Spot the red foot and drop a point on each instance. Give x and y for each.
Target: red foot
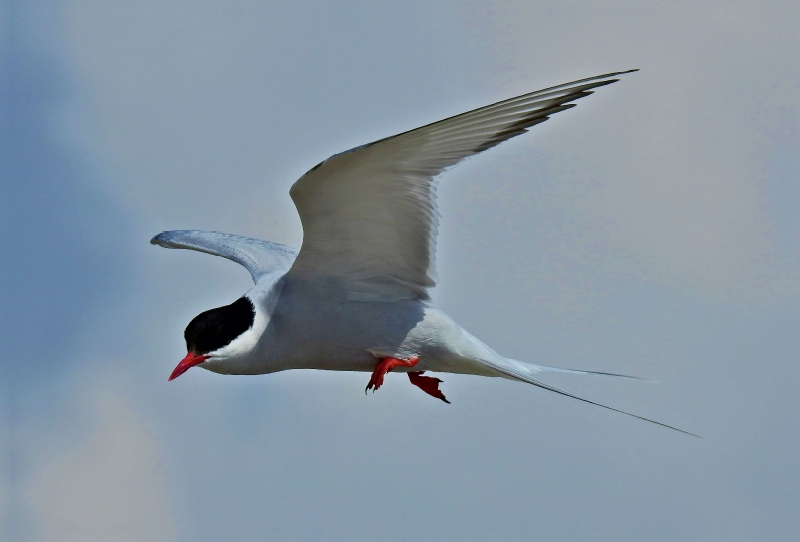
(383, 367)
(428, 384)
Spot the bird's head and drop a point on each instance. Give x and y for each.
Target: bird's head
(220, 336)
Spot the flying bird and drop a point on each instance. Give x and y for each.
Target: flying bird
(355, 296)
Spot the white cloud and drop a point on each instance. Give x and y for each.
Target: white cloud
(111, 487)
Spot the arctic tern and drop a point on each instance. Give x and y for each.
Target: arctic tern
(355, 296)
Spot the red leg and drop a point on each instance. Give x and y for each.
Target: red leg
(384, 366)
(428, 384)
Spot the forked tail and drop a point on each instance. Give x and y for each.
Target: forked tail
(524, 371)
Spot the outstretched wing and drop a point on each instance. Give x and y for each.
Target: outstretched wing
(369, 214)
(261, 258)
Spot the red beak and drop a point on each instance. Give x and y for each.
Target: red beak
(187, 363)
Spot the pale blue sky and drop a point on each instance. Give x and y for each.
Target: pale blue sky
(652, 230)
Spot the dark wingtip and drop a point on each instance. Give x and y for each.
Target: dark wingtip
(160, 239)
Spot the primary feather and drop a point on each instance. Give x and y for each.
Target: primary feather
(369, 214)
(261, 258)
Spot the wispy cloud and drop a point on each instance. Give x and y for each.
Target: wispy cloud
(111, 486)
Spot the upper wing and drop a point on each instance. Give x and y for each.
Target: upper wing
(261, 258)
(369, 214)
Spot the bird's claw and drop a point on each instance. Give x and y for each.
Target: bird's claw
(384, 366)
(428, 384)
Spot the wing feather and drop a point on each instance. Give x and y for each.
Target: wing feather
(369, 214)
(261, 258)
